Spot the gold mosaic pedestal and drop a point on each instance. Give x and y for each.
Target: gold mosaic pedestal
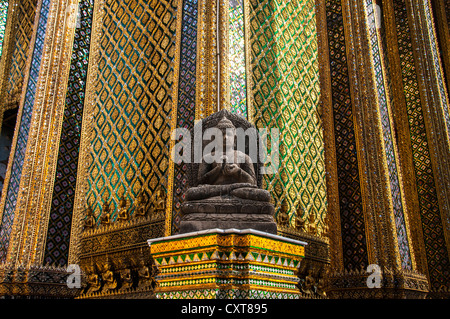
(225, 264)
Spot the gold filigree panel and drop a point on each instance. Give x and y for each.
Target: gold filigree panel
(286, 94)
(131, 133)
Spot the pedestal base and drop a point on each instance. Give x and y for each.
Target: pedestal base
(230, 220)
(222, 264)
(227, 212)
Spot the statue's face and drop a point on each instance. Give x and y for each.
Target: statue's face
(228, 138)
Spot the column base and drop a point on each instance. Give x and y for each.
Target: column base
(393, 284)
(227, 264)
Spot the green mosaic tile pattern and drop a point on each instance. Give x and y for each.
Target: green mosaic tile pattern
(286, 95)
(130, 145)
(238, 76)
(3, 16)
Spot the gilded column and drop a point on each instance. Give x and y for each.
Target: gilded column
(63, 226)
(421, 113)
(440, 9)
(17, 48)
(32, 168)
(13, 177)
(367, 206)
(16, 52)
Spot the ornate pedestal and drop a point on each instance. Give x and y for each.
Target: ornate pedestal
(222, 264)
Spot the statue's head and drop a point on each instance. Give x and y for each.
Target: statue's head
(224, 124)
(228, 131)
(107, 265)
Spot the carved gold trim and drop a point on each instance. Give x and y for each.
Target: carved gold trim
(401, 122)
(326, 106)
(390, 217)
(40, 160)
(211, 62)
(6, 57)
(437, 70)
(434, 125)
(21, 106)
(206, 73)
(7, 46)
(86, 134)
(61, 60)
(432, 37)
(248, 61)
(203, 22)
(351, 32)
(442, 24)
(404, 140)
(173, 122)
(16, 223)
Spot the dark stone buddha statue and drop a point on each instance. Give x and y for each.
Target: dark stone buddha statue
(227, 194)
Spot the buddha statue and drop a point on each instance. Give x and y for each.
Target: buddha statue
(235, 167)
(122, 212)
(105, 217)
(226, 193)
(93, 280)
(312, 228)
(234, 174)
(126, 278)
(308, 284)
(299, 222)
(283, 216)
(145, 274)
(89, 222)
(140, 205)
(109, 280)
(160, 202)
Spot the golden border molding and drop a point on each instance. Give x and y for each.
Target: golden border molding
(21, 106)
(400, 121)
(326, 106)
(173, 122)
(86, 133)
(62, 60)
(30, 223)
(389, 217)
(6, 57)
